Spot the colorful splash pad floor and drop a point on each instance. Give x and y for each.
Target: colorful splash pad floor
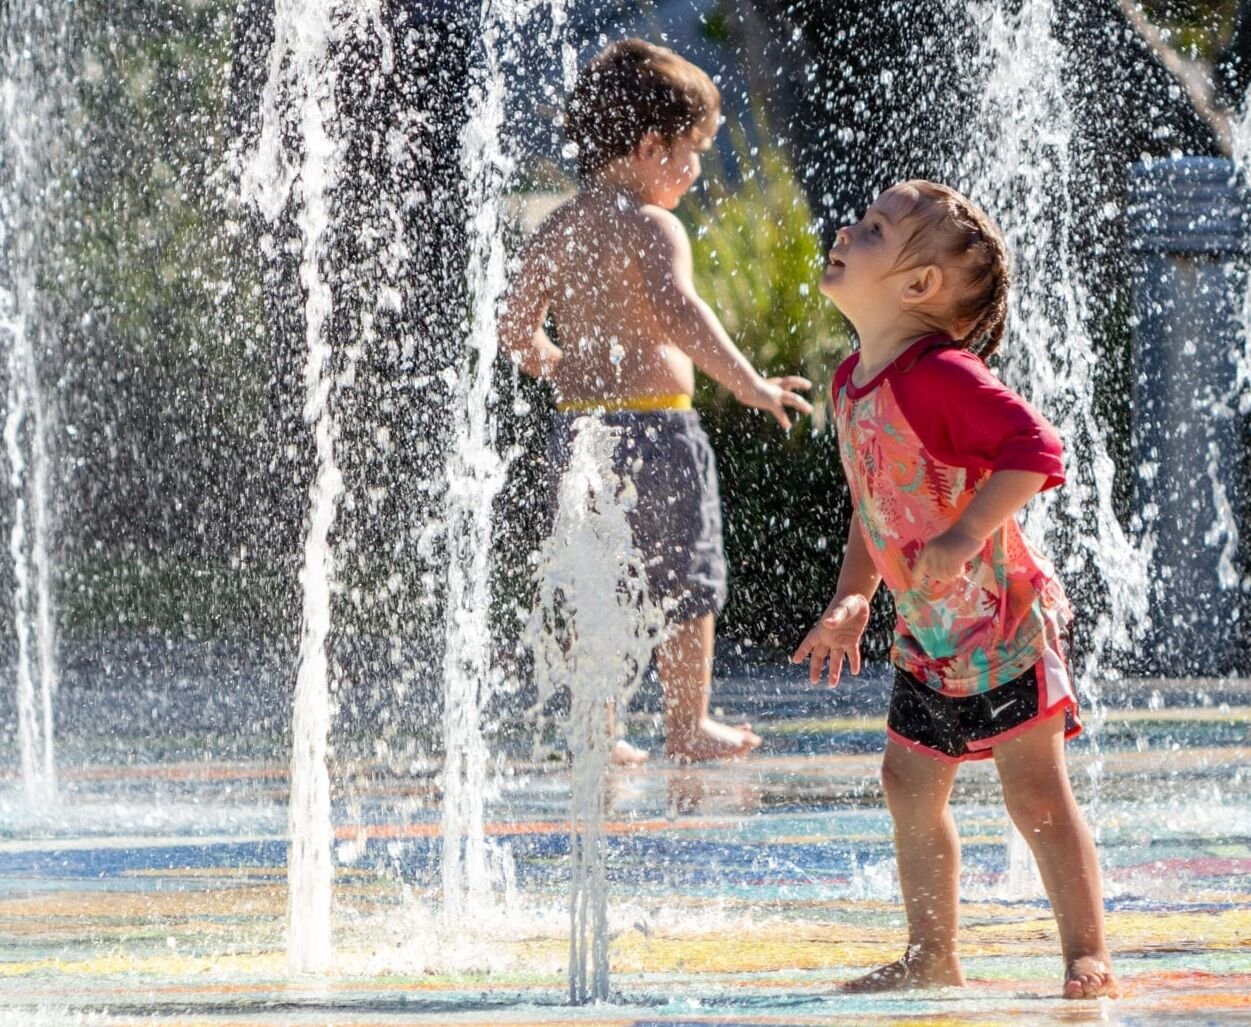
(154, 891)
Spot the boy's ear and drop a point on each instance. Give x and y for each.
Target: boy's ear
(651, 146)
(923, 285)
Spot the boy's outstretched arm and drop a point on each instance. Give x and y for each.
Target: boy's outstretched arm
(665, 258)
(525, 304)
(837, 634)
(1000, 497)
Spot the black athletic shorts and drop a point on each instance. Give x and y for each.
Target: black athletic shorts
(956, 729)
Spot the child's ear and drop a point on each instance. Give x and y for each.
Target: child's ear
(651, 146)
(923, 285)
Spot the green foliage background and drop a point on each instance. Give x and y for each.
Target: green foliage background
(161, 385)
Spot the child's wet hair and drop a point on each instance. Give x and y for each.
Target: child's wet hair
(629, 89)
(949, 229)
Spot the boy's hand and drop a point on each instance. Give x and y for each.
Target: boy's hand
(776, 395)
(835, 636)
(945, 556)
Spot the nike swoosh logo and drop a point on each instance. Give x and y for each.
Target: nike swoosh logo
(995, 711)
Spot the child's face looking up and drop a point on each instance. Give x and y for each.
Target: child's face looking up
(864, 272)
(666, 169)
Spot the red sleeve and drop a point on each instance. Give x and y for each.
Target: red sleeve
(966, 417)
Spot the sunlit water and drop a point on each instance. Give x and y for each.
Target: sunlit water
(475, 474)
(592, 631)
(302, 83)
(34, 95)
(477, 880)
(1022, 169)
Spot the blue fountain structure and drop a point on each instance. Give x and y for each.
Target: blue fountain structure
(1190, 235)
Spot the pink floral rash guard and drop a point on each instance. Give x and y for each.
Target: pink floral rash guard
(916, 443)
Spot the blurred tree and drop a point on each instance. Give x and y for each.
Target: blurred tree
(161, 379)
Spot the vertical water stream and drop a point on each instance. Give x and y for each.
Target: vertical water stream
(36, 106)
(300, 94)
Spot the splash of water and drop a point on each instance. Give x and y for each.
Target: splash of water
(35, 96)
(475, 474)
(300, 90)
(592, 632)
(1239, 396)
(1023, 172)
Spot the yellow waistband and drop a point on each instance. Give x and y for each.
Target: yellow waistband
(641, 405)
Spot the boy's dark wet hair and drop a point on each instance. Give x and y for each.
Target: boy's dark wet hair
(629, 89)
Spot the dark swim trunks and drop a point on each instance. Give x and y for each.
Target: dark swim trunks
(676, 522)
(959, 728)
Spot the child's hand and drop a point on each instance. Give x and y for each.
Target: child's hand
(835, 636)
(945, 556)
(777, 394)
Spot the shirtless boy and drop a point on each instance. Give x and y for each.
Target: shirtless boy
(612, 268)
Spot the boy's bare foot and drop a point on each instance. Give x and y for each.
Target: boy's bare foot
(1090, 977)
(711, 740)
(626, 755)
(918, 968)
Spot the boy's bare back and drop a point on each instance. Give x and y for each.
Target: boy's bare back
(608, 266)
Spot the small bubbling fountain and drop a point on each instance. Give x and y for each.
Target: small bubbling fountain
(592, 631)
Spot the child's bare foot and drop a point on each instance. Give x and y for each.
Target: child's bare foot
(711, 740)
(1090, 977)
(626, 755)
(918, 968)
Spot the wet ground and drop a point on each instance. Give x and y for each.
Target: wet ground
(154, 891)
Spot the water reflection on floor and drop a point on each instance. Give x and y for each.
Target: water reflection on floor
(742, 893)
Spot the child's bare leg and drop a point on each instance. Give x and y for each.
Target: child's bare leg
(1040, 801)
(623, 753)
(927, 851)
(684, 661)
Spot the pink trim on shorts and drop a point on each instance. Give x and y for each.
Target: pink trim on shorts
(925, 750)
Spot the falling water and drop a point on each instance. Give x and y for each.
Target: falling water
(475, 470)
(475, 473)
(1024, 174)
(592, 632)
(35, 98)
(1022, 171)
(1240, 393)
(302, 81)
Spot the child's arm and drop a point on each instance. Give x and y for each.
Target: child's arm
(665, 258)
(978, 423)
(521, 333)
(1000, 497)
(837, 634)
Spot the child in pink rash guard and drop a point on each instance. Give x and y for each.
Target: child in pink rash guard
(940, 456)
